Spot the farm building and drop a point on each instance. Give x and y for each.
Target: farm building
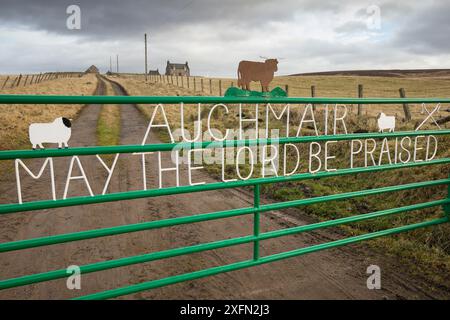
(154, 72)
(177, 69)
(92, 69)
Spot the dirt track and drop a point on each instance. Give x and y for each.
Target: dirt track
(333, 274)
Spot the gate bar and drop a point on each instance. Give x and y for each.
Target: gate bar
(62, 99)
(83, 151)
(251, 263)
(74, 201)
(104, 265)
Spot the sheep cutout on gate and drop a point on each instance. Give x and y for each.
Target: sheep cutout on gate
(58, 131)
(386, 122)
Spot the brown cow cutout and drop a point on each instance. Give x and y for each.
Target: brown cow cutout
(249, 71)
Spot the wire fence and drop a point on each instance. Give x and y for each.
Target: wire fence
(30, 79)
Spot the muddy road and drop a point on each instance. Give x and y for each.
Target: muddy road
(333, 274)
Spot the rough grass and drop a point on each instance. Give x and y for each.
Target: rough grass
(425, 252)
(336, 86)
(108, 125)
(15, 118)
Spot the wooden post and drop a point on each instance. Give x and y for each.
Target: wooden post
(220, 88)
(201, 83)
(20, 78)
(286, 87)
(232, 84)
(177, 81)
(25, 82)
(195, 86)
(405, 105)
(4, 83)
(187, 79)
(182, 84)
(360, 95)
(210, 86)
(313, 95)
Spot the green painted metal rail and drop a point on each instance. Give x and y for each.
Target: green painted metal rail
(55, 99)
(256, 210)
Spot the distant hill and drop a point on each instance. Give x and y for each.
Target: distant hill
(383, 73)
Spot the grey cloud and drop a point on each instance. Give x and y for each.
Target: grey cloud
(351, 27)
(426, 31)
(214, 35)
(117, 19)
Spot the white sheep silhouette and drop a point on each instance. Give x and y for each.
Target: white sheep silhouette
(386, 122)
(58, 131)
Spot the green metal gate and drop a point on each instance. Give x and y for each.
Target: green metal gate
(256, 183)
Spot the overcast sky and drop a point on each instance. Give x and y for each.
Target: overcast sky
(214, 35)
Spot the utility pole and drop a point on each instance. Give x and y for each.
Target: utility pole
(145, 38)
(117, 62)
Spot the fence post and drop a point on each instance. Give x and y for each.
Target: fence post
(256, 220)
(25, 82)
(195, 86)
(313, 95)
(20, 79)
(286, 87)
(405, 105)
(210, 86)
(187, 80)
(360, 95)
(201, 83)
(4, 83)
(182, 84)
(220, 87)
